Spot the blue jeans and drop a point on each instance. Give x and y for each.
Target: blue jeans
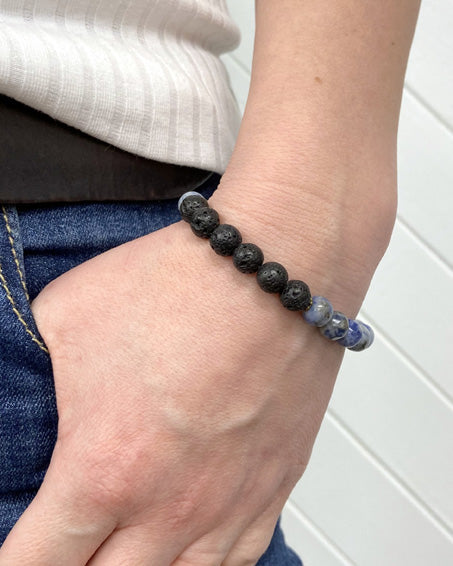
(37, 244)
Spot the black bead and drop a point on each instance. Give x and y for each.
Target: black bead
(225, 239)
(248, 258)
(296, 296)
(272, 277)
(190, 204)
(204, 221)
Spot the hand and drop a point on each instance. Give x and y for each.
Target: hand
(188, 400)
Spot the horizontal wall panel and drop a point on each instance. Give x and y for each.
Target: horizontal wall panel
(430, 69)
(410, 298)
(402, 420)
(308, 542)
(425, 175)
(363, 511)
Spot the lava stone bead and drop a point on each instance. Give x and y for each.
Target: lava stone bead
(320, 312)
(189, 203)
(204, 221)
(296, 296)
(247, 258)
(272, 277)
(353, 335)
(336, 328)
(366, 340)
(225, 239)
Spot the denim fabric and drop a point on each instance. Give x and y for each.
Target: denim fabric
(37, 244)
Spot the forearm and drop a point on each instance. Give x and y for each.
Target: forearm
(315, 159)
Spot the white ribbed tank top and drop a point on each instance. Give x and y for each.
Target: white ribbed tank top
(142, 75)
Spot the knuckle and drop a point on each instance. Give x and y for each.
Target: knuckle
(181, 512)
(108, 479)
(189, 507)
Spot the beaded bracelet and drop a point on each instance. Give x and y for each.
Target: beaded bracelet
(272, 277)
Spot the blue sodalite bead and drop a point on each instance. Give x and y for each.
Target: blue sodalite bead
(320, 312)
(336, 328)
(353, 335)
(366, 340)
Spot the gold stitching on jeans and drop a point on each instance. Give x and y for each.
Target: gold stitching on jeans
(10, 297)
(13, 250)
(18, 314)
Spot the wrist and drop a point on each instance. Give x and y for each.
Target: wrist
(329, 233)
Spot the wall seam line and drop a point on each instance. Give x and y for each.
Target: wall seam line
(434, 387)
(303, 518)
(443, 262)
(391, 475)
(430, 109)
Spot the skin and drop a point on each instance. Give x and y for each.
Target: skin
(189, 404)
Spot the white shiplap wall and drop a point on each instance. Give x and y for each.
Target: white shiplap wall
(379, 487)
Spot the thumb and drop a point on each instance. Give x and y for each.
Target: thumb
(45, 309)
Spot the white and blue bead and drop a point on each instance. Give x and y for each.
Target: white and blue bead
(336, 328)
(320, 312)
(366, 339)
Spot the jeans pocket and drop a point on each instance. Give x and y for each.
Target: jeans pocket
(28, 414)
(16, 316)
(59, 237)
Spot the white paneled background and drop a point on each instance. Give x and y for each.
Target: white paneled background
(379, 487)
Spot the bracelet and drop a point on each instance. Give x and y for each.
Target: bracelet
(272, 277)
